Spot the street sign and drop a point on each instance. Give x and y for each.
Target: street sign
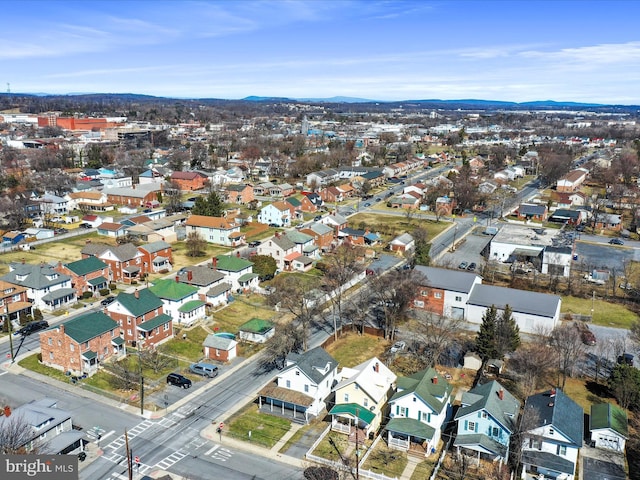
(221, 425)
(8, 355)
(136, 459)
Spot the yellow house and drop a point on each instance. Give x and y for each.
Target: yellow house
(361, 396)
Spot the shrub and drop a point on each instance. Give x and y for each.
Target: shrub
(27, 318)
(86, 295)
(37, 314)
(104, 292)
(112, 286)
(134, 282)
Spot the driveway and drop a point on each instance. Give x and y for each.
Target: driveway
(599, 464)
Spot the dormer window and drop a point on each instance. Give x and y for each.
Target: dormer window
(8, 290)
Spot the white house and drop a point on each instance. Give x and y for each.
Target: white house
(216, 230)
(551, 446)
(256, 330)
(180, 301)
(237, 271)
(47, 288)
(303, 384)
(418, 411)
(276, 213)
(609, 427)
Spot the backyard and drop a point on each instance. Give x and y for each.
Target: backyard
(605, 313)
(393, 225)
(352, 349)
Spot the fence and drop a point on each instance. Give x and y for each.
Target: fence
(73, 233)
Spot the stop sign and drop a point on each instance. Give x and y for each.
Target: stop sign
(136, 459)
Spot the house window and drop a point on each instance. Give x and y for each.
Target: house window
(128, 321)
(437, 294)
(297, 372)
(50, 355)
(535, 444)
(418, 303)
(561, 450)
(366, 402)
(458, 299)
(166, 327)
(217, 352)
(551, 431)
(50, 341)
(346, 397)
(484, 414)
(288, 383)
(404, 411)
(72, 347)
(306, 388)
(426, 417)
(424, 293)
(495, 432)
(471, 426)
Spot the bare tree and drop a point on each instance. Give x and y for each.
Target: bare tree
(155, 360)
(15, 436)
(196, 245)
(529, 420)
(121, 376)
(569, 349)
(437, 332)
(532, 362)
(280, 345)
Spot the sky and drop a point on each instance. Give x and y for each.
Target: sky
(510, 50)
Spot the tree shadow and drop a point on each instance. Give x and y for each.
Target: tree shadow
(597, 392)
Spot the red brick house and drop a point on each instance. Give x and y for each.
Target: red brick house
(331, 195)
(81, 344)
(157, 256)
(240, 194)
(323, 235)
(189, 180)
(134, 196)
(14, 301)
(220, 348)
(126, 262)
(87, 275)
(141, 318)
(306, 205)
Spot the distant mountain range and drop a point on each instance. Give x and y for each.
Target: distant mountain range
(427, 103)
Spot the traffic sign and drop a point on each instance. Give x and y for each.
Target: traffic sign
(136, 459)
(221, 425)
(8, 355)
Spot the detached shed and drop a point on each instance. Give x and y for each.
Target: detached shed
(221, 348)
(609, 427)
(472, 361)
(256, 330)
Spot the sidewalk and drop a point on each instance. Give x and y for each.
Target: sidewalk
(412, 463)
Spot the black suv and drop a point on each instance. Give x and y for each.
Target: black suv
(178, 380)
(32, 327)
(108, 300)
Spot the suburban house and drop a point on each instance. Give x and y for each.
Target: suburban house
(281, 248)
(322, 235)
(532, 212)
(161, 229)
(487, 418)
(157, 256)
(203, 277)
(89, 201)
(551, 446)
(52, 205)
(256, 330)
(357, 237)
(310, 202)
(237, 271)
(532, 311)
(607, 221)
(572, 181)
(276, 213)
(87, 275)
(335, 221)
(419, 410)
(240, 194)
(14, 302)
(141, 318)
(302, 386)
(47, 288)
(609, 427)
(361, 396)
(187, 181)
(220, 347)
(406, 200)
(444, 206)
(331, 195)
(81, 344)
(50, 431)
(126, 262)
(180, 300)
(402, 243)
(304, 243)
(216, 230)
(445, 292)
(112, 229)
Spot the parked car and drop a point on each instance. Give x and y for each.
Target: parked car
(471, 267)
(204, 369)
(616, 241)
(396, 347)
(626, 358)
(107, 301)
(463, 266)
(255, 243)
(85, 225)
(367, 204)
(317, 218)
(60, 231)
(32, 327)
(179, 380)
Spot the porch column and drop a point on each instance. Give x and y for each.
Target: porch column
(294, 410)
(272, 404)
(259, 402)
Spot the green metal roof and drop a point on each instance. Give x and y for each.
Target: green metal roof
(422, 385)
(232, 264)
(97, 281)
(354, 410)
(411, 426)
(146, 302)
(191, 305)
(247, 277)
(90, 355)
(117, 341)
(256, 325)
(84, 328)
(154, 322)
(172, 290)
(606, 415)
(86, 265)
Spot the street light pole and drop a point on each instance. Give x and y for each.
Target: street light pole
(9, 326)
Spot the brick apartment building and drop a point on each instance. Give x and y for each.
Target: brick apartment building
(87, 275)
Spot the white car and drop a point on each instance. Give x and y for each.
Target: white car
(396, 347)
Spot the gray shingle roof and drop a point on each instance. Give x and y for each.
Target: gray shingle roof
(559, 410)
(36, 277)
(521, 301)
(312, 362)
(452, 280)
(221, 343)
(154, 247)
(201, 276)
(486, 397)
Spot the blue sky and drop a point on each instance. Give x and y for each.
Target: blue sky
(384, 50)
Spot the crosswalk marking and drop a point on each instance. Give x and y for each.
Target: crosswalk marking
(212, 449)
(171, 460)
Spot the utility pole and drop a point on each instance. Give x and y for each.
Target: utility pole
(9, 326)
(126, 444)
(357, 448)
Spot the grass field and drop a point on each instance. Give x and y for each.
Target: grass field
(604, 313)
(265, 429)
(353, 349)
(189, 349)
(243, 309)
(326, 450)
(392, 225)
(389, 461)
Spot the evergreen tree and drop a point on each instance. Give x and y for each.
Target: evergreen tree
(211, 206)
(486, 339)
(507, 333)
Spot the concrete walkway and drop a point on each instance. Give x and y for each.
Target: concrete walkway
(412, 463)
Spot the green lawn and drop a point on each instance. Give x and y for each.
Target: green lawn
(604, 313)
(31, 363)
(265, 430)
(385, 460)
(353, 349)
(243, 309)
(326, 450)
(316, 427)
(423, 470)
(392, 225)
(189, 349)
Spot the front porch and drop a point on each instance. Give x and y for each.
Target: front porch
(161, 263)
(285, 403)
(131, 273)
(348, 417)
(411, 436)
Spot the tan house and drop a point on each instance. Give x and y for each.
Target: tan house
(218, 230)
(572, 181)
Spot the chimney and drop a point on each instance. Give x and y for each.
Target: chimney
(177, 278)
(7, 411)
(435, 379)
(215, 263)
(376, 367)
(189, 275)
(238, 254)
(136, 294)
(501, 394)
(553, 393)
